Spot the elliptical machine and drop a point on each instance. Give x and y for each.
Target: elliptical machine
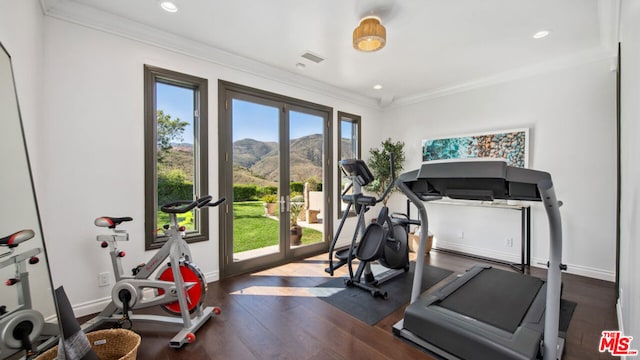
(386, 240)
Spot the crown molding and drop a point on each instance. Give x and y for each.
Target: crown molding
(73, 12)
(89, 17)
(47, 5)
(596, 54)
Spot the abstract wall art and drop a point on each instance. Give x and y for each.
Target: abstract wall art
(510, 145)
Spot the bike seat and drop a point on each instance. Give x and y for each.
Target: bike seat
(111, 222)
(16, 238)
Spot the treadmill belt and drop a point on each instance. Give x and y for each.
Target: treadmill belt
(496, 297)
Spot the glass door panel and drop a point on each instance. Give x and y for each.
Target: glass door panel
(306, 172)
(275, 152)
(256, 179)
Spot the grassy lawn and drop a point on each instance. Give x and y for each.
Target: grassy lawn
(185, 219)
(252, 230)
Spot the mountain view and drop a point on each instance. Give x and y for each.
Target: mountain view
(256, 162)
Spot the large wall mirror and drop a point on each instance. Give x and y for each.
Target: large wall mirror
(27, 309)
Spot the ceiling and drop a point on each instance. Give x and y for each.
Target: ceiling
(433, 46)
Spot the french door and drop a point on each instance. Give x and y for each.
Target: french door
(275, 158)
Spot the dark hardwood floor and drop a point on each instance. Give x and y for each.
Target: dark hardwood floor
(272, 315)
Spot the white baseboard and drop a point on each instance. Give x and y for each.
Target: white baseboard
(619, 315)
(620, 325)
(212, 276)
(594, 273)
(585, 271)
(477, 251)
(90, 307)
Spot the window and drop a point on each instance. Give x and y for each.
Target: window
(349, 133)
(175, 113)
(348, 148)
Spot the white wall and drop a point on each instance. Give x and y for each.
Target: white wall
(94, 147)
(21, 33)
(630, 187)
(571, 114)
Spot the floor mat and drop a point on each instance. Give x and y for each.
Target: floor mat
(566, 313)
(361, 305)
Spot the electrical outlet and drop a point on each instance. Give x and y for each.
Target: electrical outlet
(508, 242)
(103, 279)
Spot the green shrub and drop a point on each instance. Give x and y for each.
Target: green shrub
(270, 198)
(267, 190)
(173, 186)
(296, 186)
(243, 192)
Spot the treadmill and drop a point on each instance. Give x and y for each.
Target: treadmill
(486, 313)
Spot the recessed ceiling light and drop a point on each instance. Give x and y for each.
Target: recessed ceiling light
(168, 6)
(540, 34)
(377, 87)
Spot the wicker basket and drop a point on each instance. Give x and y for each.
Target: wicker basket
(414, 240)
(109, 344)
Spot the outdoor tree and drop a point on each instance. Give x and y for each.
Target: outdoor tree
(172, 183)
(169, 130)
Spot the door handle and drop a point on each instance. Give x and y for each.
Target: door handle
(285, 204)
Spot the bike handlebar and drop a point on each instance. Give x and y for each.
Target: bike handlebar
(182, 206)
(204, 200)
(179, 207)
(218, 202)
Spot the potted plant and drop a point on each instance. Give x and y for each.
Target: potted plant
(380, 165)
(296, 229)
(270, 204)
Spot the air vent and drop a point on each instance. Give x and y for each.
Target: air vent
(313, 57)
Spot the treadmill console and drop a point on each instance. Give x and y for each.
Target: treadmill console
(476, 180)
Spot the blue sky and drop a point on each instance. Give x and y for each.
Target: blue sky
(260, 122)
(251, 120)
(177, 102)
